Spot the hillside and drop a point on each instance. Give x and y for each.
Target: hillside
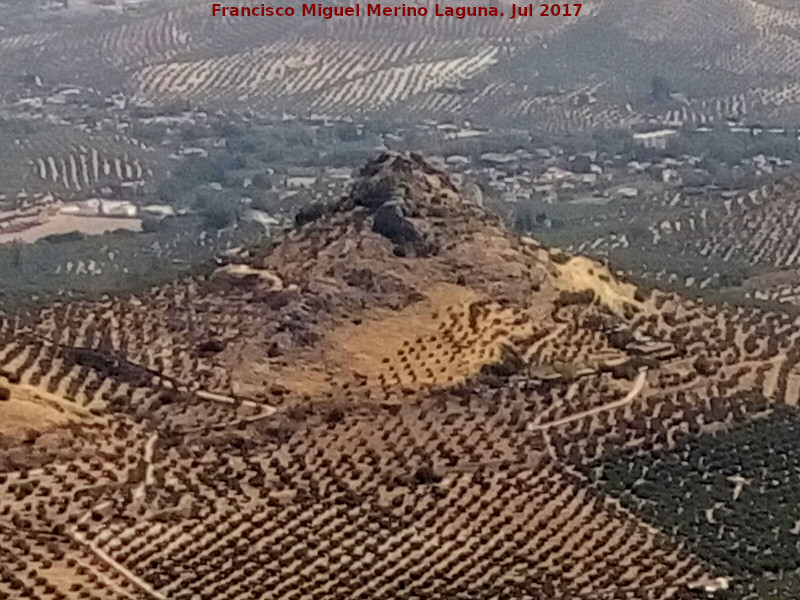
(742, 242)
(399, 398)
(724, 59)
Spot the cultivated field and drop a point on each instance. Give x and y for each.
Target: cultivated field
(397, 399)
(726, 59)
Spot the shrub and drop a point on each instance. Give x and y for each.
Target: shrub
(150, 224)
(262, 181)
(219, 214)
(566, 298)
(704, 366)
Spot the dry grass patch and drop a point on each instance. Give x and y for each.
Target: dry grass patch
(29, 409)
(579, 274)
(441, 340)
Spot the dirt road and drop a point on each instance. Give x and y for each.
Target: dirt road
(638, 385)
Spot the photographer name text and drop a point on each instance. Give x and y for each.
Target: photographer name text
(456, 11)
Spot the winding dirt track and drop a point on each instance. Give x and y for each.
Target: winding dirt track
(638, 385)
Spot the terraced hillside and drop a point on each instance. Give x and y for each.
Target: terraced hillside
(742, 240)
(724, 59)
(69, 163)
(397, 399)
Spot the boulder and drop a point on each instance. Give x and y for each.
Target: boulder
(247, 276)
(390, 221)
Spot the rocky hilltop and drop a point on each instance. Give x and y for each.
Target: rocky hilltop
(398, 398)
(404, 258)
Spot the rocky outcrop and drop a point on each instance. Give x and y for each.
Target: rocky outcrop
(399, 194)
(409, 239)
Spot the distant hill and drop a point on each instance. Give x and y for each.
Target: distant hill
(722, 59)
